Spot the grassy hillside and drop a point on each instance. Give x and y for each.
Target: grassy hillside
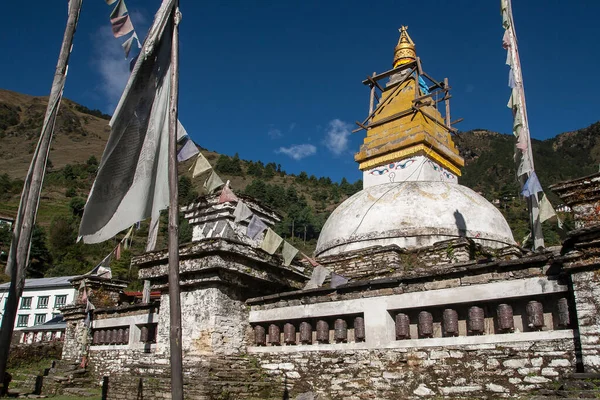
(304, 201)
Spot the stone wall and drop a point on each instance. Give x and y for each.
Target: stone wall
(214, 320)
(473, 371)
(586, 287)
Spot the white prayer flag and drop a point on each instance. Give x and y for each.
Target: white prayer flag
(546, 209)
(132, 180)
(201, 166)
(271, 242)
(241, 212)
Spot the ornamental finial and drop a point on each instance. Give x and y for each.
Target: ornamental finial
(405, 49)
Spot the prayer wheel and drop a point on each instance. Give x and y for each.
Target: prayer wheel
(322, 331)
(402, 327)
(505, 318)
(102, 337)
(563, 312)
(450, 322)
(96, 337)
(289, 334)
(359, 329)
(120, 339)
(340, 330)
(144, 334)
(126, 335)
(425, 325)
(476, 321)
(260, 335)
(535, 315)
(274, 335)
(305, 333)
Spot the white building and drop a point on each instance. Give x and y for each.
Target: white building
(41, 300)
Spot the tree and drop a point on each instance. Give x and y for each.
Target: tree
(92, 161)
(39, 257)
(62, 236)
(76, 205)
(229, 165)
(302, 177)
(187, 193)
(68, 172)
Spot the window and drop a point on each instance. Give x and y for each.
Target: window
(23, 320)
(25, 303)
(60, 300)
(39, 319)
(43, 301)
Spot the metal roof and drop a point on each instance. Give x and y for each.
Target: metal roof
(35, 283)
(56, 323)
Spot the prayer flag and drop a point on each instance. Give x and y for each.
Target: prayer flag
(227, 195)
(271, 242)
(318, 277)
(188, 151)
(513, 100)
(504, 13)
(511, 79)
(338, 280)
(127, 44)
(255, 227)
(213, 182)
(152, 233)
(102, 269)
(288, 252)
(118, 252)
(201, 166)
(506, 40)
(525, 166)
(121, 26)
(132, 184)
(310, 260)
(546, 209)
(242, 212)
(110, 2)
(532, 185)
(119, 10)
(126, 240)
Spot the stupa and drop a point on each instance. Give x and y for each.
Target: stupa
(411, 196)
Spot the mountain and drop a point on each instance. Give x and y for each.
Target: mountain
(304, 201)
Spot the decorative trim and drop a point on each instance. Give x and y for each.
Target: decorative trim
(429, 152)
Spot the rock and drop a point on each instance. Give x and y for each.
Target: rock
(423, 391)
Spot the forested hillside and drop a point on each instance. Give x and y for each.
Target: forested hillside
(304, 201)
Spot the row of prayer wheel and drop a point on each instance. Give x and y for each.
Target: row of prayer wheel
(340, 332)
(111, 336)
(476, 320)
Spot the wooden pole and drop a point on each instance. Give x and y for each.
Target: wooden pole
(18, 256)
(532, 202)
(447, 102)
(174, 291)
(372, 99)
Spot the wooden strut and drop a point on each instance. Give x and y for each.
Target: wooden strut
(386, 101)
(18, 257)
(176, 352)
(447, 102)
(393, 71)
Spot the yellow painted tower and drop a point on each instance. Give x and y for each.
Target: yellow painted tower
(406, 122)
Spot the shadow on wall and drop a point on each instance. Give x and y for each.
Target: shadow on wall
(460, 224)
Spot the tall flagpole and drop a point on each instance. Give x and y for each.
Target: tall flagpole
(174, 291)
(532, 201)
(18, 257)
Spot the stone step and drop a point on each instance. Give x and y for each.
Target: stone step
(82, 392)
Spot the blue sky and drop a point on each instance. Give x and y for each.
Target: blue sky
(281, 80)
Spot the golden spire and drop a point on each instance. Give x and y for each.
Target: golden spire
(405, 49)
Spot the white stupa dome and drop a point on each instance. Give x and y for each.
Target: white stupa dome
(412, 214)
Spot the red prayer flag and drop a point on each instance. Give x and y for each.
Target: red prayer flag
(227, 195)
(121, 26)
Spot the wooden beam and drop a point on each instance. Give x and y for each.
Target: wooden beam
(456, 121)
(447, 103)
(435, 83)
(371, 99)
(390, 72)
(374, 82)
(175, 347)
(387, 100)
(22, 229)
(362, 126)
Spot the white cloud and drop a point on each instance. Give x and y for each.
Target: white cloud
(298, 151)
(274, 133)
(109, 61)
(336, 136)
